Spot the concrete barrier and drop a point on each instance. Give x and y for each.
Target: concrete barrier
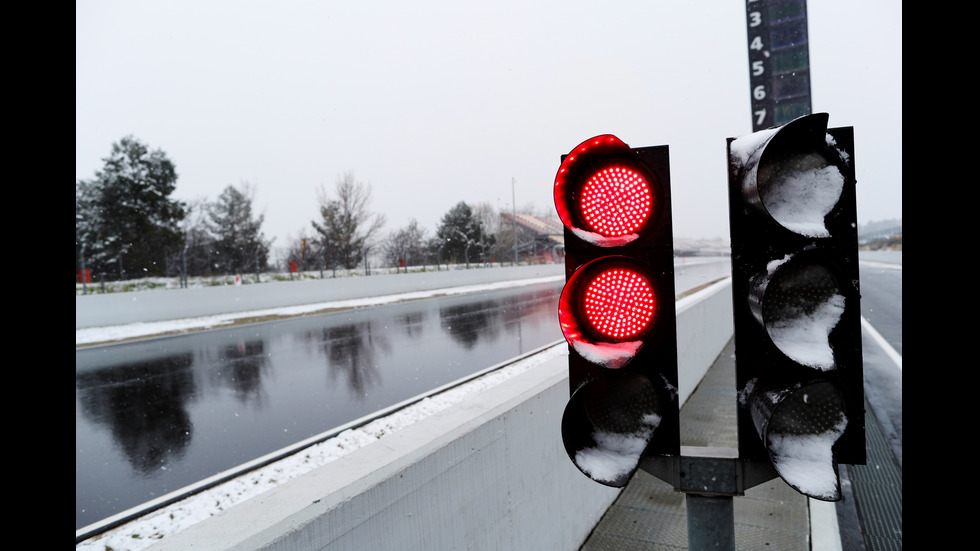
(490, 473)
(99, 310)
(890, 257)
(704, 327)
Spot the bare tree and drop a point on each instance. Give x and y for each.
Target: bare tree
(347, 228)
(407, 244)
(195, 256)
(489, 220)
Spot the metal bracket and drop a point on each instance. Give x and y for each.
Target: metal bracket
(709, 471)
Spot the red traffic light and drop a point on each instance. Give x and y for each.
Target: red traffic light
(616, 201)
(619, 303)
(606, 309)
(604, 194)
(617, 308)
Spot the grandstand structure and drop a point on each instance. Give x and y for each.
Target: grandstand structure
(539, 239)
(542, 239)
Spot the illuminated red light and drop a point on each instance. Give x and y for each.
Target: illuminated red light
(616, 201)
(619, 303)
(605, 193)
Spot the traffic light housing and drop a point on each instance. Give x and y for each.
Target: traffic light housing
(796, 298)
(616, 310)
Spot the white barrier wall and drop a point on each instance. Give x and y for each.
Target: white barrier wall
(490, 473)
(704, 326)
(97, 310)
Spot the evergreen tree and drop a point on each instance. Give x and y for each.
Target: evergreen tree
(124, 216)
(460, 234)
(86, 225)
(239, 245)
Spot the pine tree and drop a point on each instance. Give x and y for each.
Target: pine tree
(460, 234)
(124, 217)
(239, 245)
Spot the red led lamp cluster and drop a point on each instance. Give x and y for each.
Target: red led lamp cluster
(612, 199)
(619, 303)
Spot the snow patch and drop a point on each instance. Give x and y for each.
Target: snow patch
(806, 462)
(616, 455)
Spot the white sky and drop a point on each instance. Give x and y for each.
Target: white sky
(437, 102)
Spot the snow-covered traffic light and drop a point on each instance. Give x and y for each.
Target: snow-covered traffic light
(617, 308)
(796, 302)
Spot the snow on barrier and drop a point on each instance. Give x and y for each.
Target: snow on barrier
(96, 310)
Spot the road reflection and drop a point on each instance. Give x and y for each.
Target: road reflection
(144, 405)
(240, 368)
(157, 415)
(350, 354)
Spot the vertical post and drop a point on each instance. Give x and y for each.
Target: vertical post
(779, 61)
(84, 285)
(709, 477)
(513, 206)
(183, 264)
(710, 523)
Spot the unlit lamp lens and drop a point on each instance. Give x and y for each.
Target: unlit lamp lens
(802, 305)
(800, 190)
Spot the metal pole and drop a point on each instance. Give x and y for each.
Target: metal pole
(84, 285)
(513, 206)
(709, 477)
(710, 523)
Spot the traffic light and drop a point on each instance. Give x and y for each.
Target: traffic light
(617, 307)
(797, 303)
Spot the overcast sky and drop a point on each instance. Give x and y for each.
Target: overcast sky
(437, 102)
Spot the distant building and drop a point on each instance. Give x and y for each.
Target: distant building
(875, 234)
(701, 247)
(539, 239)
(542, 239)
